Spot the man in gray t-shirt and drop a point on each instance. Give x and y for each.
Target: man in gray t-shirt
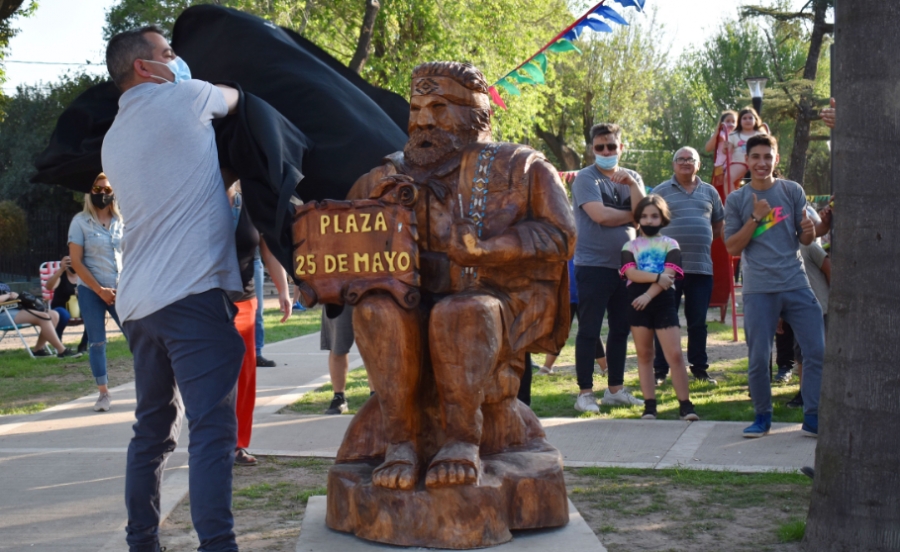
(765, 223)
(603, 195)
(697, 218)
(179, 265)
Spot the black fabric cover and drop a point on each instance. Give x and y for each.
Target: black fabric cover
(350, 131)
(72, 159)
(333, 107)
(267, 152)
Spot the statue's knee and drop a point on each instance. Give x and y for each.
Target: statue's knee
(474, 310)
(373, 309)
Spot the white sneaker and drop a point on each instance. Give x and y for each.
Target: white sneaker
(103, 403)
(622, 398)
(586, 403)
(601, 370)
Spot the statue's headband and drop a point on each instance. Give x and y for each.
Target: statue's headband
(449, 89)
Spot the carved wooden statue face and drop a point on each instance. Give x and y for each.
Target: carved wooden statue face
(443, 117)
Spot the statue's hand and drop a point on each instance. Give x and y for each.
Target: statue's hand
(465, 246)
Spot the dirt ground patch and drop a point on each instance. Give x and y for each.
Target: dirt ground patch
(629, 510)
(269, 504)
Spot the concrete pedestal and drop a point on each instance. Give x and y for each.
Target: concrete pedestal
(315, 536)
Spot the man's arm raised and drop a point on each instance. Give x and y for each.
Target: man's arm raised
(231, 97)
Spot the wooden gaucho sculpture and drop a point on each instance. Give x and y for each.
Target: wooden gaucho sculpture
(444, 455)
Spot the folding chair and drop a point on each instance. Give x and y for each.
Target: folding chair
(8, 324)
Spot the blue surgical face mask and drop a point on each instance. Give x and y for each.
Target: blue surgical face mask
(177, 66)
(606, 163)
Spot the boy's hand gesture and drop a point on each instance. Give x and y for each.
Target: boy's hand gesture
(760, 208)
(807, 226)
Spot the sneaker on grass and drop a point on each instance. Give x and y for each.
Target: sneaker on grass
(700, 374)
(586, 403)
(42, 352)
(796, 402)
(761, 426)
(68, 352)
(622, 398)
(784, 375)
(604, 372)
(649, 410)
(103, 403)
(338, 405)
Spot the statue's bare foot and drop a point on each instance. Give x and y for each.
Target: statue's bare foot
(400, 469)
(457, 463)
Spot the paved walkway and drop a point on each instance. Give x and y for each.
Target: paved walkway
(62, 470)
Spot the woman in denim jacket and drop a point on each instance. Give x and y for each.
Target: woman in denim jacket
(95, 247)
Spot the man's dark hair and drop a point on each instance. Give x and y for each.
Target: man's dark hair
(604, 129)
(762, 140)
(126, 47)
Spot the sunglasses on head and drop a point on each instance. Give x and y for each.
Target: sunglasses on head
(101, 190)
(609, 147)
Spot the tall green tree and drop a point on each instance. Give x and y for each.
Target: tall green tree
(856, 492)
(494, 35)
(31, 116)
(798, 82)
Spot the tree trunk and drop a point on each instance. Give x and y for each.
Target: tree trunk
(807, 112)
(587, 111)
(365, 36)
(568, 158)
(856, 493)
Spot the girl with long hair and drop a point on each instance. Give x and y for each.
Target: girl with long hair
(651, 263)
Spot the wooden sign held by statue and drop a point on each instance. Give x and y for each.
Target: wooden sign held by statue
(344, 249)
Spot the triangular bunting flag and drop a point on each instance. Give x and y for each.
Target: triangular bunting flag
(596, 25)
(534, 72)
(496, 97)
(509, 87)
(563, 45)
(611, 14)
(542, 60)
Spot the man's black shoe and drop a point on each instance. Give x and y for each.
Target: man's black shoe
(263, 362)
(796, 402)
(338, 405)
(702, 375)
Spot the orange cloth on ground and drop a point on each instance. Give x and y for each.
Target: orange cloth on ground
(245, 322)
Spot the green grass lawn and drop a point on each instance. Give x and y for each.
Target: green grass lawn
(30, 385)
(317, 401)
(554, 395)
(691, 509)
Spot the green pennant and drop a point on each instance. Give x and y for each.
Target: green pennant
(563, 45)
(520, 78)
(542, 59)
(509, 87)
(534, 72)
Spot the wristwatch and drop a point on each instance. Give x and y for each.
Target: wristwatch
(756, 220)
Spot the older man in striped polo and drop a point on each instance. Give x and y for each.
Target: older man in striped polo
(697, 218)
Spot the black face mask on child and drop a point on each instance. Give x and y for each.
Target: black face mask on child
(650, 231)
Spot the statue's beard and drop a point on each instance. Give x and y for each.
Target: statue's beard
(428, 147)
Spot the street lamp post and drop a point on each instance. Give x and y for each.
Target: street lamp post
(757, 85)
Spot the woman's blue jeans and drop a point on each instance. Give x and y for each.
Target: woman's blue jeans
(93, 312)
